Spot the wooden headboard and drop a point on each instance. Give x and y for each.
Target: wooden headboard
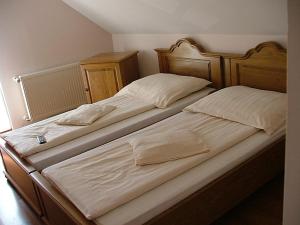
(263, 67)
(188, 58)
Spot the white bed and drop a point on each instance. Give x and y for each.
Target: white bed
(79, 145)
(156, 201)
(151, 203)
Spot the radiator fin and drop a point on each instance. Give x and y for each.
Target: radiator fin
(52, 91)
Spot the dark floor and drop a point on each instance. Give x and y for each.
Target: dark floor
(262, 208)
(13, 210)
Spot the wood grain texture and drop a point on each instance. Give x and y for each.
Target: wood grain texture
(15, 157)
(21, 181)
(105, 74)
(263, 67)
(111, 57)
(17, 171)
(129, 71)
(102, 81)
(13, 210)
(188, 58)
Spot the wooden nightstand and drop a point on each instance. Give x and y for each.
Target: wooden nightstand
(105, 74)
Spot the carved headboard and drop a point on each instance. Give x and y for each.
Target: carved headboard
(263, 67)
(188, 58)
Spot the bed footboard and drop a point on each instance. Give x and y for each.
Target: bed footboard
(17, 172)
(56, 208)
(203, 207)
(209, 203)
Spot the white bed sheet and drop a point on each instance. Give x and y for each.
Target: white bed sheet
(106, 177)
(154, 202)
(84, 143)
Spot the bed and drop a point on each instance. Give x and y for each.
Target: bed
(223, 186)
(180, 56)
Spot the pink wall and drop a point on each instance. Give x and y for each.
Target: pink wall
(291, 215)
(38, 34)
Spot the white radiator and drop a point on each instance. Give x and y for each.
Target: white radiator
(52, 91)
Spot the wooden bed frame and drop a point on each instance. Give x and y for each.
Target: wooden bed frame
(263, 64)
(17, 171)
(262, 67)
(183, 58)
(186, 57)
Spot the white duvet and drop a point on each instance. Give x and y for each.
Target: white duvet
(107, 177)
(23, 140)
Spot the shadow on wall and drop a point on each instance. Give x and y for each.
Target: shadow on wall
(4, 117)
(148, 63)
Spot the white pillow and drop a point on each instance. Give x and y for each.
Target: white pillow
(162, 89)
(85, 114)
(162, 147)
(257, 108)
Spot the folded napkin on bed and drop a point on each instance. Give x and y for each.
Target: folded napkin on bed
(163, 147)
(85, 114)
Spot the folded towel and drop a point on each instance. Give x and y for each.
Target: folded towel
(162, 147)
(85, 114)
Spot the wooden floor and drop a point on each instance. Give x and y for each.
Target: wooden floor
(262, 208)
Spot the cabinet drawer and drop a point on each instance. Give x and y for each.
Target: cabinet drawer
(105, 74)
(102, 83)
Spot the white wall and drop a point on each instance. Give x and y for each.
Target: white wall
(291, 210)
(39, 34)
(186, 16)
(145, 43)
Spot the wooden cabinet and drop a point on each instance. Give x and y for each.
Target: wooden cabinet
(105, 74)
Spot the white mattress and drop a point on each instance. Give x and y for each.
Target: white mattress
(154, 202)
(106, 177)
(72, 148)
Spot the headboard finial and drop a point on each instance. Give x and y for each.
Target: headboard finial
(262, 67)
(188, 41)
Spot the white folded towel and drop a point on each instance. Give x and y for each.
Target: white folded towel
(163, 147)
(85, 114)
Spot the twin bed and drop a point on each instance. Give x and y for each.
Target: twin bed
(188, 192)
(53, 155)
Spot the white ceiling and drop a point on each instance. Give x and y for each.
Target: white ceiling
(186, 16)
